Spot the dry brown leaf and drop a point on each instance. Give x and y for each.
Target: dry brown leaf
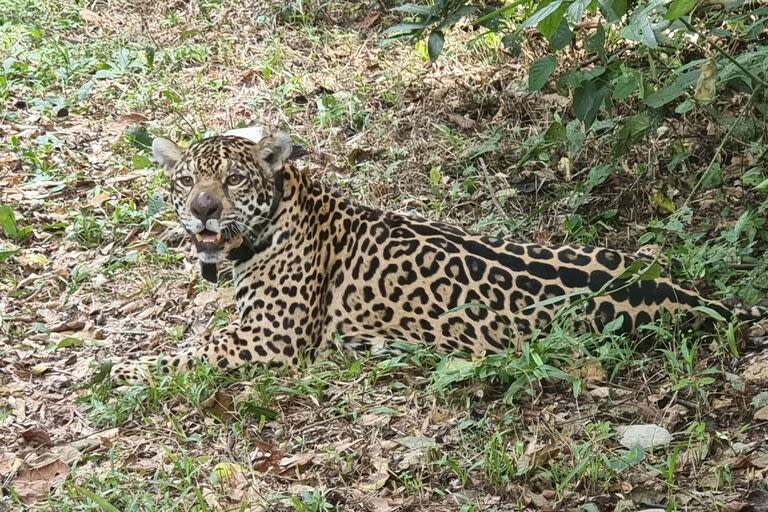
(461, 121)
(264, 457)
(116, 128)
(379, 504)
(300, 459)
(90, 17)
(757, 371)
(369, 20)
(9, 463)
(36, 436)
(735, 506)
(762, 414)
(34, 483)
(220, 404)
(379, 478)
(592, 372)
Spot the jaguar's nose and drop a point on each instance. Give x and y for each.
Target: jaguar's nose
(205, 206)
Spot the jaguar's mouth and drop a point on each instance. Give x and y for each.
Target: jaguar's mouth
(209, 245)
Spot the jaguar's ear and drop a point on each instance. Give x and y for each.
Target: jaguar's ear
(275, 150)
(166, 152)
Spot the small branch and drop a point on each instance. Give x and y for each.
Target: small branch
(725, 54)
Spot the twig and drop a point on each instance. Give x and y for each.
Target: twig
(725, 54)
(494, 199)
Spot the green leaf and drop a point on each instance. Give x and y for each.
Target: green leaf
(455, 16)
(706, 310)
(407, 28)
(713, 177)
(435, 44)
(679, 8)
(6, 253)
(102, 503)
(139, 137)
(156, 204)
(540, 72)
(625, 85)
(541, 14)
(141, 162)
(596, 42)
(674, 90)
(561, 36)
(555, 133)
(587, 99)
(613, 10)
(632, 131)
(424, 10)
(640, 29)
(8, 222)
(576, 10)
(549, 26)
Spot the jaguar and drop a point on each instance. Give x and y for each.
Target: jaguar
(311, 266)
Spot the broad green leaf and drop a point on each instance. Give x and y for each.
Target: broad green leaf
(404, 28)
(455, 16)
(424, 10)
(713, 176)
(640, 29)
(679, 8)
(561, 36)
(587, 99)
(662, 201)
(156, 204)
(625, 85)
(549, 25)
(141, 162)
(632, 131)
(674, 90)
(435, 44)
(596, 42)
(139, 137)
(555, 132)
(576, 10)
(598, 174)
(541, 14)
(8, 222)
(613, 10)
(540, 72)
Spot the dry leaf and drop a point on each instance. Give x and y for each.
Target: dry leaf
(90, 17)
(116, 128)
(34, 483)
(592, 372)
(36, 436)
(369, 20)
(757, 371)
(220, 404)
(461, 121)
(762, 414)
(379, 478)
(379, 504)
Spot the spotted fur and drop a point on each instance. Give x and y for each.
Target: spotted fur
(311, 264)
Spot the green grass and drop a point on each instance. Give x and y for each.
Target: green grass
(381, 125)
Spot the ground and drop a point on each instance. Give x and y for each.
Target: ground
(94, 268)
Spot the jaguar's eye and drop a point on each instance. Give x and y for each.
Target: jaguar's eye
(186, 181)
(235, 179)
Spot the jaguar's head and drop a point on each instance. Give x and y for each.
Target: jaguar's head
(224, 188)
